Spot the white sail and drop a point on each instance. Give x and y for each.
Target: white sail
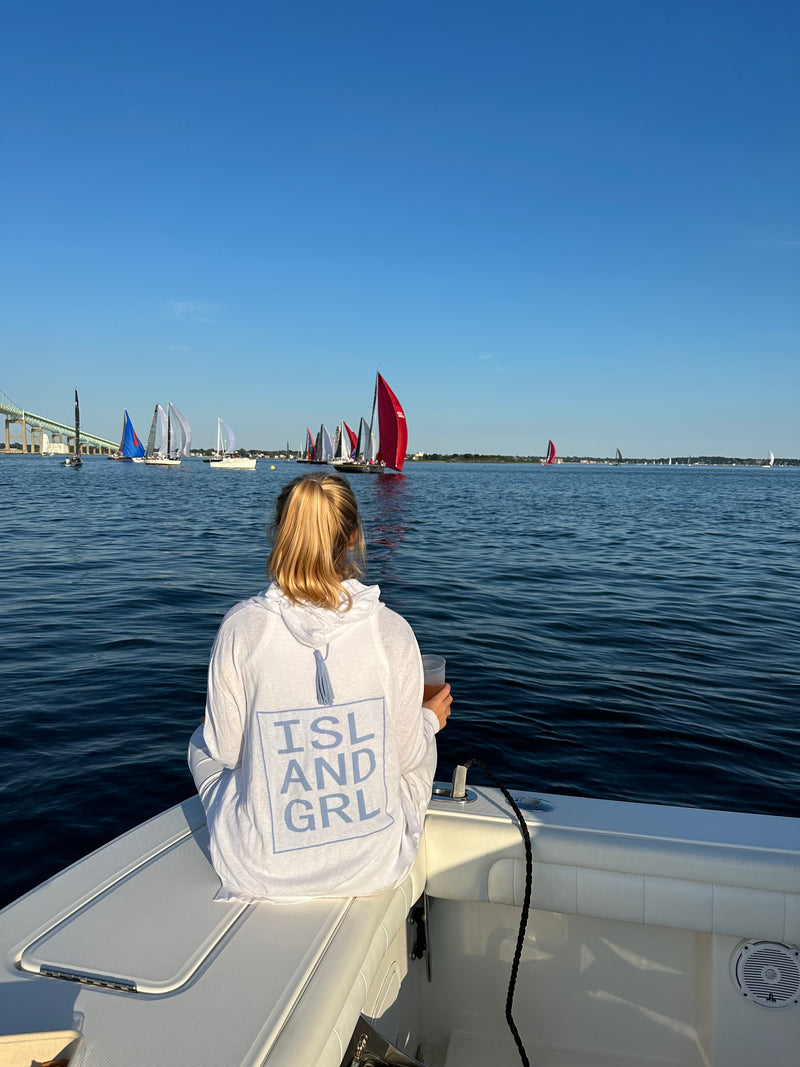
(326, 446)
(226, 439)
(159, 433)
(342, 446)
(185, 435)
(363, 438)
(367, 447)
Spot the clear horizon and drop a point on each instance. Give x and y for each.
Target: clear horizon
(538, 221)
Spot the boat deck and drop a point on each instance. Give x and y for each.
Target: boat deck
(636, 914)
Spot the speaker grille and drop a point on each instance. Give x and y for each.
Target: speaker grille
(767, 973)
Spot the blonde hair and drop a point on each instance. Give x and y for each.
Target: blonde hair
(317, 540)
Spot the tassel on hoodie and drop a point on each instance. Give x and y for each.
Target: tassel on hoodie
(324, 687)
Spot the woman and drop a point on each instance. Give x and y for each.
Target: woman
(316, 759)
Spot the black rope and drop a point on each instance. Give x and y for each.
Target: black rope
(523, 922)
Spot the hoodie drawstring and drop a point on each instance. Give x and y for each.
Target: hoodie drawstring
(324, 687)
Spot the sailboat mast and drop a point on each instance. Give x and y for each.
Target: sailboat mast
(77, 426)
(374, 402)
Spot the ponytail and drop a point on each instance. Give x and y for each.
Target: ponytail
(316, 535)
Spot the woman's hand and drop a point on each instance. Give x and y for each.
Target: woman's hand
(440, 704)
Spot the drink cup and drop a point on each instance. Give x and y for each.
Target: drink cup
(433, 669)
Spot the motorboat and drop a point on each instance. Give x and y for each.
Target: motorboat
(536, 928)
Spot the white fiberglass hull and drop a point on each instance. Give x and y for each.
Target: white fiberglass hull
(636, 914)
(157, 461)
(233, 464)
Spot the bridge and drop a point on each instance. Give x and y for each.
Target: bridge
(21, 423)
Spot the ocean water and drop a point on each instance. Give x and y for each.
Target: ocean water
(616, 632)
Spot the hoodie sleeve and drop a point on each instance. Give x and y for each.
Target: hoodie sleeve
(415, 730)
(415, 726)
(226, 700)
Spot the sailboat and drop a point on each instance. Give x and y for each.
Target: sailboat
(310, 453)
(225, 459)
(130, 447)
(323, 447)
(551, 454)
(770, 462)
(617, 461)
(345, 444)
(172, 431)
(338, 442)
(75, 459)
(362, 457)
(392, 436)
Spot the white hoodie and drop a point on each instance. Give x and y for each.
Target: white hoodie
(316, 717)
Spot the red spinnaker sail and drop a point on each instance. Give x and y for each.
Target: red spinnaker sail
(551, 452)
(311, 448)
(353, 440)
(392, 427)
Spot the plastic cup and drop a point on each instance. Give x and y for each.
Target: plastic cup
(433, 668)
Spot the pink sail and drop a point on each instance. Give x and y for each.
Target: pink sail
(353, 438)
(551, 452)
(392, 428)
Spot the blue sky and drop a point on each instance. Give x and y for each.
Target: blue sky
(563, 219)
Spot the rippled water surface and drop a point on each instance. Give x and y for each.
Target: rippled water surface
(620, 632)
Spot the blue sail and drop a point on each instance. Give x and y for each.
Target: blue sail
(131, 445)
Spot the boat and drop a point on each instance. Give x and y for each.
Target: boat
(550, 457)
(770, 461)
(224, 458)
(174, 436)
(392, 436)
(616, 462)
(363, 458)
(345, 444)
(131, 448)
(323, 448)
(338, 442)
(310, 454)
(75, 459)
(319, 450)
(534, 928)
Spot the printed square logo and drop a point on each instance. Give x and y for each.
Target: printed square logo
(325, 773)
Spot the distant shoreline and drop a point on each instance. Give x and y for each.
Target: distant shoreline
(677, 461)
(474, 457)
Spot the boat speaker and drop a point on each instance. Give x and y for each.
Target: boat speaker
(767, 973)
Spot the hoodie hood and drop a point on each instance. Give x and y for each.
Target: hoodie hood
(316, 627)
